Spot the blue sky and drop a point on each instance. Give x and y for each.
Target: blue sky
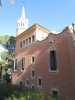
(52, 14)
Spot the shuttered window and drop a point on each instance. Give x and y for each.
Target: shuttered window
(53, 63)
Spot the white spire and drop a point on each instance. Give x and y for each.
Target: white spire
(23, 12)
(22, 23)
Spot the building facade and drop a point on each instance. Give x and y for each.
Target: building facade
(46, 61)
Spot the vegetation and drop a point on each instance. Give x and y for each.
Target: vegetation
(18, 92)
(8, 42)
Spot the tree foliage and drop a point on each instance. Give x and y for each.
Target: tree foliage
(8, 42)
(4, 39)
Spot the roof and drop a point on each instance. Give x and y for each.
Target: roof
(35, 26)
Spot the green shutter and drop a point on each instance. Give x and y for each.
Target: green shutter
(53, 60)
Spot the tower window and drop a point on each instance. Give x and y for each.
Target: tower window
(53, 60)
(21, 23)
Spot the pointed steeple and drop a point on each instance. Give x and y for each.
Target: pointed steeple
(23, 12)
(22, 23)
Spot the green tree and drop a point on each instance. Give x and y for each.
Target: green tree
(8, 42)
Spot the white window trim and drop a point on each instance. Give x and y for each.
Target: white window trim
(52, 71)
(32, 39)
(20, 44)
(55, 89)
(26, 83)
(27, 40)
(14, 64)
(38, 82)
(31, 59)
(23, 43)
(24, 64)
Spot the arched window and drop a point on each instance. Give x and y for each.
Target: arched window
(21, 23)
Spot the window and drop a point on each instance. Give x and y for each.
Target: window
(32, 73)
(26, 41)
(23, 63)
(32, 87)
(21, 23)
(21, 82)
(15, 64)
(55, 94)
(29, 39)
(39, 82)
(32, 59)
(33, 38)
(53, 60)
(21, 44)
(27, 83)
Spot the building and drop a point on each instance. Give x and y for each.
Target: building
(46, 61)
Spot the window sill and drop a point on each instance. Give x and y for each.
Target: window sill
(32, 77)
(22, 70)
(53, 71)
(15, 70)
(39, 86)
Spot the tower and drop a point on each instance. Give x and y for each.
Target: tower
(22, 23)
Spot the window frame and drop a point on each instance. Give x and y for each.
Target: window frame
(38, 85)
(33, 38)
(32, 76)
(21, 45)
(24, 43)
(56, 90)
(50, 70)
(29, 40)
(53, 61)
(32, 59)
(32, 85)
(15, 64)
(27, 85)
(22, 63)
